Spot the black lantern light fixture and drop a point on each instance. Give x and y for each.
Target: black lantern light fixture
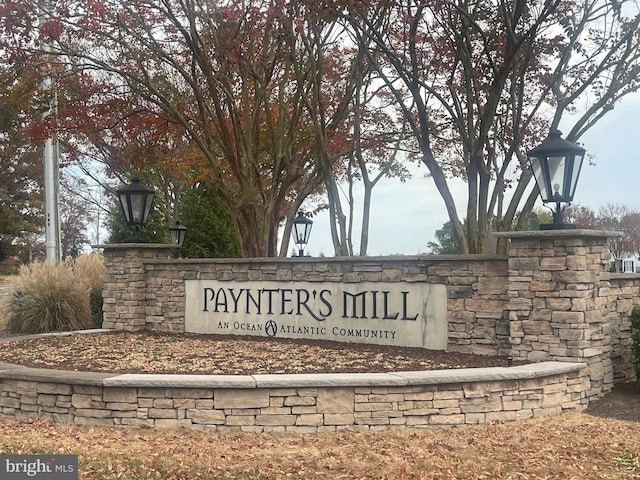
(301, 232)
(135, 202)
(177, 232)
(556, 165)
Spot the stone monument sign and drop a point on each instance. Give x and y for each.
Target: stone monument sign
(412, 314)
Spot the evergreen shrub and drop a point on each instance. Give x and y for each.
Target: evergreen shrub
(95, 301)
(635, 333)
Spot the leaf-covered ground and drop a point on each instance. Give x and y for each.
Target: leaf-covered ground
(575, 446)
(122, 352)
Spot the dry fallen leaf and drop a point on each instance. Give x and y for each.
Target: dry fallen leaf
(125, 352)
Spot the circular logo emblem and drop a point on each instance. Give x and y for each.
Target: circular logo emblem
(271, 328)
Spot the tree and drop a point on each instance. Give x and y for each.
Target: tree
(482, 82)
(355, 138)
(211, 233)
(222, 73)
(614, 217)
(582, 217)
(632, 232)
(268, 92)
(74, 220)
(376, 146)
(21, 219)
(445, 243)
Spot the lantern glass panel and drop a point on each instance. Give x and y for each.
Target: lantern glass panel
(137, 207)
(577, 166)
(147, 206)
(124, 206)
(556, 165)
(557, 170)
(539, 171)
(556, 180)
(302, 232)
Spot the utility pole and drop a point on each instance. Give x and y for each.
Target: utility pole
(51, 173)
(51, 201)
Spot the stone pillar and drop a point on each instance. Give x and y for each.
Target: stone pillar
(125, 283)
(557, 307)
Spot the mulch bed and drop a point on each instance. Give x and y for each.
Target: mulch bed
(125, 352)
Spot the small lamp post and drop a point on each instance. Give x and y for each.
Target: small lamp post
(556, 165)
(301, 232)
(177, 232)
(135, 202)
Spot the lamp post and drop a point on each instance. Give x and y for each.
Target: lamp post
(135, 202)
(556, 165)
(301, 232)
(177, 232)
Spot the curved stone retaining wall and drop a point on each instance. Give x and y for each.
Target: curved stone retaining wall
(301, 403)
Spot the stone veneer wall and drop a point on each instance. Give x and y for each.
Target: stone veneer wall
(145, 289)
(551, 298)
(299, 403)
(558, 289)
(624, 294)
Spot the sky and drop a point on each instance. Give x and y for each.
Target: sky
(406, 215)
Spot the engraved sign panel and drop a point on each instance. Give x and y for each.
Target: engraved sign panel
(395, 313)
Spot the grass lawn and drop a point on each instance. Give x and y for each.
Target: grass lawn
(572, 446)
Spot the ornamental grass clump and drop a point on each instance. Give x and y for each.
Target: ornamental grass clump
(48, 297)
(89, 269)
